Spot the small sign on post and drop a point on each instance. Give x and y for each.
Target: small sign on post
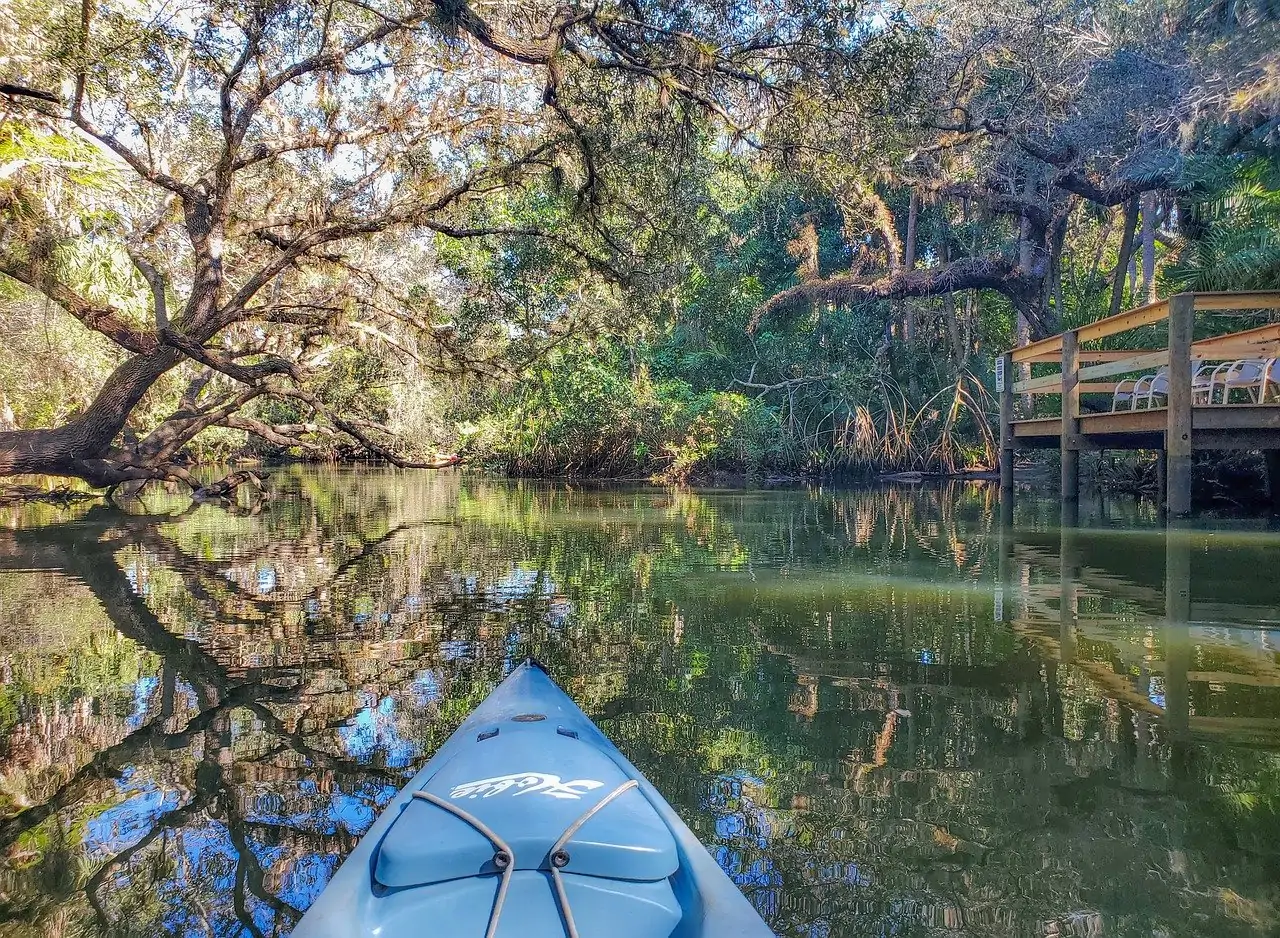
(1000, 376)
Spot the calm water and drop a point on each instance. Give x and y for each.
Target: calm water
(884, 715)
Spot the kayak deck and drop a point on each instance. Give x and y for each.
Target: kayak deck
(529, 822)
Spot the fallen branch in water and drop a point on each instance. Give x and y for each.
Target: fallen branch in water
(19, 494)
(226, 487)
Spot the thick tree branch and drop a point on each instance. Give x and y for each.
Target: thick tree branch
(184, 425)
(991, 273)
(155, 280)
(19, 91)
(188, 192)
(282, 435)
(105, 320)
(314, 140)
(353, 429)
(1114, 194)
(418, 214)
(248, 374)
(529, 51)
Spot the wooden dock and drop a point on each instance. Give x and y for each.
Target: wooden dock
(1177, 429)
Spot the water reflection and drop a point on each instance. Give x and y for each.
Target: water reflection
(885, 712)
(1183, 626)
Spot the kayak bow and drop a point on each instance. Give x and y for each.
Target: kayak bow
(528, 822)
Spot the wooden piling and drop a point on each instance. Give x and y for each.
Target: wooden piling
(1070, 417)
(1178, 432)
(1006, 433)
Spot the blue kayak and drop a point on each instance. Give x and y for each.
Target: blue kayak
(529, 823)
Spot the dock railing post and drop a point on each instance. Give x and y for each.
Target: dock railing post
(1182, 313)
(1070, 417)
(1004, 388)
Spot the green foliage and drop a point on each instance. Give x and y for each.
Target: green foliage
(355, 384)
(1240, 247)
(585, 412)
(689, 384)
(591, 301)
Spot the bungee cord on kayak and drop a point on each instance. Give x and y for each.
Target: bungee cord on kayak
(504, 859)
(560, 859)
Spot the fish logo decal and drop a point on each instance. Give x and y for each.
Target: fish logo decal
(525, 783)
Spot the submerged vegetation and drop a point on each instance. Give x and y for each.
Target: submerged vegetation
(618, 238)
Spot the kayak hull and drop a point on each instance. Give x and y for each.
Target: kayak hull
(527, 766)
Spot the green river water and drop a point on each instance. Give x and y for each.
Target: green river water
(885, 713)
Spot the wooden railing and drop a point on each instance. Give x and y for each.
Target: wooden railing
(1262, 342)
(1083, 371)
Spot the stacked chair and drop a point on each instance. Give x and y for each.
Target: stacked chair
(1258, 379)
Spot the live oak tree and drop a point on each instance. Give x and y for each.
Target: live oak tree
(1038, 115)
(1022, 169)
(232, 198)
(280, 172)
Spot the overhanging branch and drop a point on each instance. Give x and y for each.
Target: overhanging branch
(991, 273)
(105, 320)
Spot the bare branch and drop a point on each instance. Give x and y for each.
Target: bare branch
(155, 280)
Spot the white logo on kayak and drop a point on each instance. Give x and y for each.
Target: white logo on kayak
(525, 783)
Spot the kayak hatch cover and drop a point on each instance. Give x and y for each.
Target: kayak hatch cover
(529, 823)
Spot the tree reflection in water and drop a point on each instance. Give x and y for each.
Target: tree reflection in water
(882, 712)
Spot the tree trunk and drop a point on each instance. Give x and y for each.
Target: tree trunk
(909, 264)
(1024, 368)
(972, 309)
(1025, 247)
(1191, 221)
(1149, 245)
(1126, 251)
(1057, 235)
(1025, 258)
(75, 448)
(1091, 285)
(951, 315)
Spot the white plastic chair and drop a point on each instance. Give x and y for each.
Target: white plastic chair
(1271, 380)
(1137, 393)
(1202, 384)
(1248, 375)
(1148, 388)
(1123, 393)
(1216, 379)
